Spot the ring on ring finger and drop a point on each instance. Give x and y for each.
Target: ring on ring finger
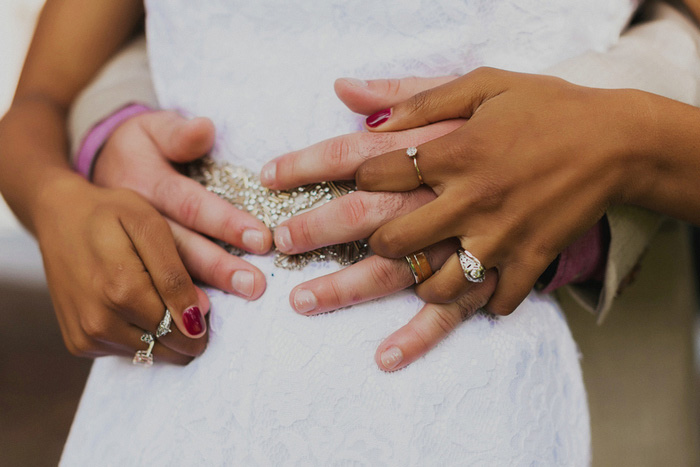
(164, 325)
(412, 153)
(471, 266)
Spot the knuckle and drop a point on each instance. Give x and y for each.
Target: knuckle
(120, 291)
(385, 274)
(189, 207)
(335, 293)
(443, 319)
(419, 102)
(393, 87)
(81, 346)
(95, 327)
(174, 282)
(354, 208)
(336, 152)
(387, 242)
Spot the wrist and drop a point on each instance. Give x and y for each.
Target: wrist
(94, 140)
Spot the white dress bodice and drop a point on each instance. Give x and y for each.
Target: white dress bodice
(278, 388)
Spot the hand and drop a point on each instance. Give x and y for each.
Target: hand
(357, 215)
(113, 269)
(138, 156)
(534, 166)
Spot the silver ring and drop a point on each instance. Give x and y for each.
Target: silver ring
(164, 325)
(144, 358)
(473, 270)
(412, 152)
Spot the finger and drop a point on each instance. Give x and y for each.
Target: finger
(399, 170)
(514, 286)
(126, 341)
(368, 97)
(153, 242)
(179, 139)
(111, 335)
(459, 98)
(366, 280)
(427, 225)
(338, 158)
(346, 219)
(431, 325)
(215, 266)
(191, 205)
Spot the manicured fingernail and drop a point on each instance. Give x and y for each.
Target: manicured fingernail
(253, 240)
(374, 120)
(193, 320)
(360, 83)
(304, 301)
(283, 239)
(268, 173)
(243, 282)
(391, 357)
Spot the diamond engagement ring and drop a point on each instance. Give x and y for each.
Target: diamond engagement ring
(473, 270)
(164, 325)
(144, 358)
(412, 152)
(420, 267)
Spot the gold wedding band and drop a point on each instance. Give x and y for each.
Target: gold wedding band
(420, 267)
(412, 152)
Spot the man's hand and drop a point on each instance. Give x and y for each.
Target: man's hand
(138, 155)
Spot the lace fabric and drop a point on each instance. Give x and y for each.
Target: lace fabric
(277, 388)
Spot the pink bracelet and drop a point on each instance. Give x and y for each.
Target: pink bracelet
(98, 134)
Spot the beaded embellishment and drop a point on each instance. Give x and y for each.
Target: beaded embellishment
(242, 188)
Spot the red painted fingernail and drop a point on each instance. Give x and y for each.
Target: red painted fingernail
(374, 120)
(193, 320)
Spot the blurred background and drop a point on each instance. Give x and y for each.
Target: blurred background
(639, 368)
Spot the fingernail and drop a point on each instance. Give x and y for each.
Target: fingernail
(268, 173)
(283, 239)
(194, 321)
(253, 240)
(374, 120)
(360, 83)
(391, 357)
(243, 282)
(304, 301)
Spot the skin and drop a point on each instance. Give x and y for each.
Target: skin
(111, 260)
(537, 162)
(38, 185)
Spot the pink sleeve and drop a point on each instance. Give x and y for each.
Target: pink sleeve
(97, 136)
(583, 260)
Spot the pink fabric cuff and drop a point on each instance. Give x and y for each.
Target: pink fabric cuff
(96, 137)
(583, 260)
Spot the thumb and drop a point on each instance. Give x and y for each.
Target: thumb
(178, 139)
(458, 98)
(367, 97)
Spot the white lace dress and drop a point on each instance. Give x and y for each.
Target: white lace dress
(278, 388)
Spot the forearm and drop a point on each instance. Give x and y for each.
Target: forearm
(72, 40)
(34, 159)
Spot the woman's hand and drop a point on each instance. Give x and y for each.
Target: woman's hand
(113, 269)
(537, 163)
(138, 156)
(358, 215)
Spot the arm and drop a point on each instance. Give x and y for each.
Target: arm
(110, 259)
